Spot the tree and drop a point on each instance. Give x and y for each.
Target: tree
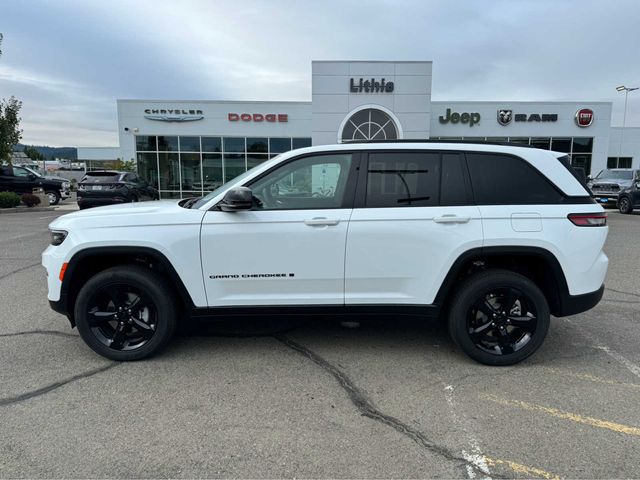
(33, 153)
(126, 166)
(10, 132)
(0, 44)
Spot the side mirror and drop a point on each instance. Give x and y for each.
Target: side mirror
(589, 178)
(239, 198)
(31, 176)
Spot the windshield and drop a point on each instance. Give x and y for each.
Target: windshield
(101, 177)
(235, 181)
(615, 175)
(32, 171)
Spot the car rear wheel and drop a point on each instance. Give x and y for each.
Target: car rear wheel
(498, 317)
(624, 205)
(53, 196)
(126, 313)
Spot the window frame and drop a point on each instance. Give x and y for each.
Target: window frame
(349, 191)
(361, 193)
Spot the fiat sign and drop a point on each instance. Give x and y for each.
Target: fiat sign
(584, 117)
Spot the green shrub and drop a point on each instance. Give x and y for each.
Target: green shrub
(30, 200)
(9, 200)
(74, 185)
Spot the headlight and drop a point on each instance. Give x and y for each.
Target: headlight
(57, 237)
(66, 184)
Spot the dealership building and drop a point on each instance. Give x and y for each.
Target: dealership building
(188, 147)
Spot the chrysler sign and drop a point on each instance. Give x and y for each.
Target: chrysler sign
(173, 114)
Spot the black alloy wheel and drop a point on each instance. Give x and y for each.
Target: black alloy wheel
(125, 313)
(499, 317)
(122, 317)
(502, 321)
(624, 205)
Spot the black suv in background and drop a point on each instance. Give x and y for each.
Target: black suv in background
(615, 187)
(110, 188)
(23, 180)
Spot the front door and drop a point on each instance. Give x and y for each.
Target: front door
(289, 249)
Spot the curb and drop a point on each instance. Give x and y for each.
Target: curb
(26, 209)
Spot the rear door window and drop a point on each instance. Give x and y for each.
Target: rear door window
(403, 179)
(499, 179)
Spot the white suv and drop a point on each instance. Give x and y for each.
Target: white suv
(495, 238)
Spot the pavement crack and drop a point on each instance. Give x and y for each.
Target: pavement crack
(18, 270)
(39, 332)
(366, 407)
(44, 390)
(623, 292)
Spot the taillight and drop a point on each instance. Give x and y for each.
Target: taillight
(588, 219)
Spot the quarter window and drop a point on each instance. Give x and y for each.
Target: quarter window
(308, 183)
(398, 179)
(508, 180)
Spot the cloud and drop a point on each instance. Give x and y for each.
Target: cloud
(77, 57)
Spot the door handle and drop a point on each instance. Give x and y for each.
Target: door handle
(320, 222)
(451, 219)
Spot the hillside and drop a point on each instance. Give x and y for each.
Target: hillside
(50, 153)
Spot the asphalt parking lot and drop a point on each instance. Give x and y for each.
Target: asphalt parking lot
(320, 400)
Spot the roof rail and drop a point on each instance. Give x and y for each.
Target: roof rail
(431, 140)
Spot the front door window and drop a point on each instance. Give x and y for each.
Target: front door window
(317, 182)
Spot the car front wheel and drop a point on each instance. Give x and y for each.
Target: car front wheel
(53, 196)
(624, 205)
(498, 317)
(126, 313)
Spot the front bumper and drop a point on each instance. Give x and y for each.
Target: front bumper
(606, 199)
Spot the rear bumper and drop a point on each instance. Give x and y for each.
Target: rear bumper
(574, 304)
(87, 202)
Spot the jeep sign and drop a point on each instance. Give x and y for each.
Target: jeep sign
(455, 117)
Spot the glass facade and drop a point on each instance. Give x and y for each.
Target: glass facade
(619, 162)
(188, 166)
(579, 149)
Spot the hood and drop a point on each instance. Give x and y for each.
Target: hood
(138, 214)
(623, 182)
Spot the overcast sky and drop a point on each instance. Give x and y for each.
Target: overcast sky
(68, 61)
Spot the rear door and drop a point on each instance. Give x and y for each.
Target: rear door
(413, 217)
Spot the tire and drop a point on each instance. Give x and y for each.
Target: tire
(126, 313)
(54, 197)
(624, 205)
(508, 337)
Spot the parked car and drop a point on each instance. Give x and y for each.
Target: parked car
(611, 182)
(629, 197)
(495, 238)
(23, 180)
(109, 188)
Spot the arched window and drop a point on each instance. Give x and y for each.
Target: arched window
(369, 124)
